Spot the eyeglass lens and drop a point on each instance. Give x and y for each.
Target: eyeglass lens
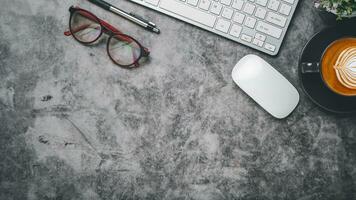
(124, 50)
(85, 27)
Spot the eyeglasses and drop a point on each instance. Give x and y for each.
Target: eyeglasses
(122, 49)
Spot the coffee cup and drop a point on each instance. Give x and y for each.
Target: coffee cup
(337, 66)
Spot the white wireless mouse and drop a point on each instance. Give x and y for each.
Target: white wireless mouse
(266, 86)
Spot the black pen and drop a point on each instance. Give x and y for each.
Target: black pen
(130, 16)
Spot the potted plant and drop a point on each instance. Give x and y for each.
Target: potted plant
(341, 8)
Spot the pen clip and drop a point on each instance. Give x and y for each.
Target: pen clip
(142, 19)
(101, 4)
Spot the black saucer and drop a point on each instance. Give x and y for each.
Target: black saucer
(312, 84)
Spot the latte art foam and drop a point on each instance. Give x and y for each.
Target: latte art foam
(345, 67)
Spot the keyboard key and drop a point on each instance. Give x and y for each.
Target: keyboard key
(238, 17)
(270, 47)
(192, 2)
(237, 4)
(227, 13)
(250, 22)
(246, 38)
(285, 9)
(189, 12)
(153, 2)
(262, 2)
(289, 1)
(260, 13)
(273, 5)
(257, 42)
(249, 8)
(269, 29)
(222, 25)
(276, 19)
(235, 30)
(261, 37)
(216, 8)
(204, 4)
(226, 2)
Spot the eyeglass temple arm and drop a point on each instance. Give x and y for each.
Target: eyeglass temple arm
(82, 27)
(103, 23)
(109, 27)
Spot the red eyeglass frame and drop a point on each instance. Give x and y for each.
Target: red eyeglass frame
(108, 29)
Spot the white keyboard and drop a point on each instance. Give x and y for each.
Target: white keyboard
(260, 24)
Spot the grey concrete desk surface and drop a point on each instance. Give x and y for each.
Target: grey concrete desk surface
(177, 128)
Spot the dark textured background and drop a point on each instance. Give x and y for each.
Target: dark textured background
(177, 128)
